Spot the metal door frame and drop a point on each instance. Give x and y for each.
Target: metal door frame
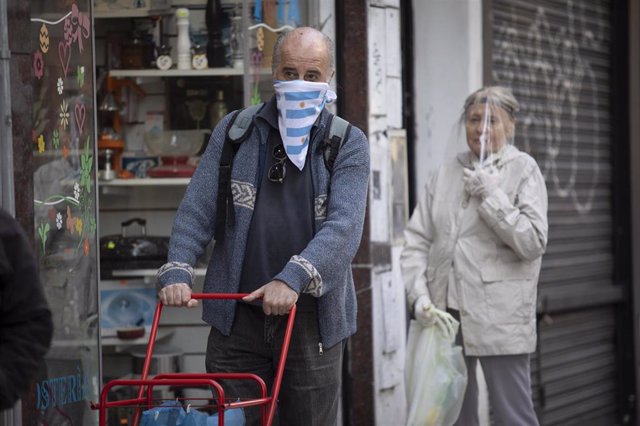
(7, 197)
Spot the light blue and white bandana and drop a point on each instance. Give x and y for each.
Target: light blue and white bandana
(299, 105)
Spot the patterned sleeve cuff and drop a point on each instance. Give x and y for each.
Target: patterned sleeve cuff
(175, 272)
(302, 276)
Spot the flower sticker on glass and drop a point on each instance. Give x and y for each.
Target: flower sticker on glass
(80, 76)
(79, 225)
(64, 114)
(76, 27)
(76, 190)
(86, 164)
(71, 221)
(68, 31)
(38, 64)
(60, 85)
(41, 145)
(56, 139)
(59, 221)
(43, 231)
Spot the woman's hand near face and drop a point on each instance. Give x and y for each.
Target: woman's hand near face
(480, 182)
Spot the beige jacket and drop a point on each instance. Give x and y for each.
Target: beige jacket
(491, 251)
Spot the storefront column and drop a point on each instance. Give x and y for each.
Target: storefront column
(17, 121)
(351, 52)
(634, 147)
(6, 148)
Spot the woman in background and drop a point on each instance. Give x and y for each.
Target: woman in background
(473, 247)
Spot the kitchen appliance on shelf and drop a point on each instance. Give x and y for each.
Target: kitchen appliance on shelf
(126, 310)
(111, 136)
(175, 148)
(121, 254)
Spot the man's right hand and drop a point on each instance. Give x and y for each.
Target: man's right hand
(177, 295)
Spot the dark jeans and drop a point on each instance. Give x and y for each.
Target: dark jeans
(311, 381)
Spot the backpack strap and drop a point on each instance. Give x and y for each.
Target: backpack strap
(238, 130)
(339, 130)
(240, 124)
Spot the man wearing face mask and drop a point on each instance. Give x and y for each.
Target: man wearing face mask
(296, 227)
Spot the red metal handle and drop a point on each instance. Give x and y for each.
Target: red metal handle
(281, 362)
(156, 321)
(221, 296)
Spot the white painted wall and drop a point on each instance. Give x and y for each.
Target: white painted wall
(385, 113)
(447, 68)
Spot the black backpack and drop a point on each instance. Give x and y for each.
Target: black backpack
(238, 130)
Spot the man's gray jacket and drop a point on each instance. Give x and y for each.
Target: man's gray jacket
(322, 269)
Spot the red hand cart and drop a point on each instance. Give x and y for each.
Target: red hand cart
(145, 399)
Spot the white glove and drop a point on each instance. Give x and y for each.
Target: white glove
(480, 183)
(424, 311)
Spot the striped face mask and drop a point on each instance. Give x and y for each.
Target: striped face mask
(299, 105)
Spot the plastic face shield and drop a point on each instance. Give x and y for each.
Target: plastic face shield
(488, 129)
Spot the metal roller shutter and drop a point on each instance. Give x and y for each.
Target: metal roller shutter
(555, 55)
(576, 364)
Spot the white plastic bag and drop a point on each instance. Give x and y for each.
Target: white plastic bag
(435, 373)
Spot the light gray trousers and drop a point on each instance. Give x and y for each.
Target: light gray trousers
(508, 380)
(509, 385)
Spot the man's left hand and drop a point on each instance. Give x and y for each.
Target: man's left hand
(480, 183)
(277, 298)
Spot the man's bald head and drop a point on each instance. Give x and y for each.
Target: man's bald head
(304, 39)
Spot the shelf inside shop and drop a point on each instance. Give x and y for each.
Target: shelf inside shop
(146, 182)
(130, 13)
(220, 72)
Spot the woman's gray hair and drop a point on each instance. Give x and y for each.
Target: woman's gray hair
(494, 95)
(277, 48)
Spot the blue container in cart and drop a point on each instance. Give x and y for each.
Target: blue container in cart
(171, 413)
